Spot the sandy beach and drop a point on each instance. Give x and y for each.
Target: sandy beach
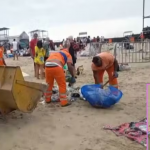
(148, 96)
(79, 126)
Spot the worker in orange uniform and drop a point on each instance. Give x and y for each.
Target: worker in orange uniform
(105, 61)
(2, 61)
(54, 70)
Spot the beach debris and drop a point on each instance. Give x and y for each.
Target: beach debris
(136, 131)
(124, 67)
(72, 94)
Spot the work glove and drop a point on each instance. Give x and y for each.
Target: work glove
(115, 75)
(72, 80)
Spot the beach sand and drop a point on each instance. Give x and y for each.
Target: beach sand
(79, 126)
(148, 113)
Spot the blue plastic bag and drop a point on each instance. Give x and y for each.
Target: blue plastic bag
(98, 97)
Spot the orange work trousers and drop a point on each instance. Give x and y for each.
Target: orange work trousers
(112, 81)
(56, 73)
(1, 62)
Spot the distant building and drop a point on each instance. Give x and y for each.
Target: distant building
(22, 39)
(11, 38)
(4, 34)
(18, 38)
(41, 33)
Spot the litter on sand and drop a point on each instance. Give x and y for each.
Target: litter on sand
(72, 94)
(136, 131)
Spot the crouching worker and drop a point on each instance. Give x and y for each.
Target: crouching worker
(105, 61)
(54, 71)
(2, 61)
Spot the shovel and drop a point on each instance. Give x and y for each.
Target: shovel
(107, 82)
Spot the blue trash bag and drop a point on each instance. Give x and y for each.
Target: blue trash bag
(98, 97)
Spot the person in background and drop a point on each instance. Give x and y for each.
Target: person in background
(20, 47)
(98, 42)
(85, 42)
(98, 39)
(105, 61)
(39, 59)
(94, 40)
(15, 49)
(63, 41)
(43, 40)
(54, 71)
(33, 43)
(88, 40)
(78, 42)
(74, 47)
(2, 61)
(46, 46)
(102, 39)
(77, 39)
(52, 47)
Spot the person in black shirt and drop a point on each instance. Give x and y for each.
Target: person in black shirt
(72, 50)
(88, 40)
(74, 47)
(98, 39)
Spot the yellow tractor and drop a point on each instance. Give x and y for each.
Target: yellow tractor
(16, 93)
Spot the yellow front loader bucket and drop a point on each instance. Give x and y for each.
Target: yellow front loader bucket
(16, 93)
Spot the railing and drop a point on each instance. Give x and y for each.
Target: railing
(124, 52)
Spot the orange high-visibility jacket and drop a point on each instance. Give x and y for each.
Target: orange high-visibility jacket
(58, 58)
(1, 57)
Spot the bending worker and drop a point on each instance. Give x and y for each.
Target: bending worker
(54, 70)
(2, 61)
(105, 61)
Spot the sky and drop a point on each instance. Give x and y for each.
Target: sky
(62, 18)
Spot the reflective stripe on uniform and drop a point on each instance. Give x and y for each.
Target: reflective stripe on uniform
(62, 94)
(55, 60)
(48, 94)
(115, 85)
(62, 99)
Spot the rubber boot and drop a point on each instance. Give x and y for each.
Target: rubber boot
(65, 103)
